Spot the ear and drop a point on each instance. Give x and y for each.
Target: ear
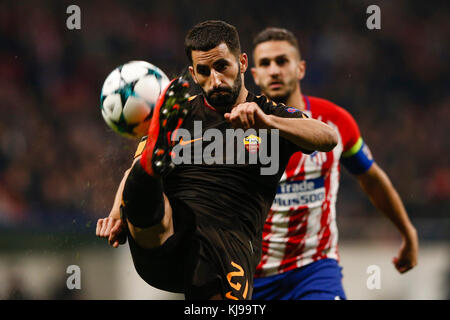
(243, 61)
(301, 69)
(254, 73)
(191, 71)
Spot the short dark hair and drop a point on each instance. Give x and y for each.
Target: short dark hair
(276, 34)
(209, 34)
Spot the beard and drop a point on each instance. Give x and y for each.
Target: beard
(279, 98)
(284, 95)
(224, 97)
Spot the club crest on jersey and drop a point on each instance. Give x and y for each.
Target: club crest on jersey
(318, 158)
(251, 143)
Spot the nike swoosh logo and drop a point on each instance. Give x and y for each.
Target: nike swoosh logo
(183, 143)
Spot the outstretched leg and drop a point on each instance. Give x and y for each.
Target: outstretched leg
(146, 208)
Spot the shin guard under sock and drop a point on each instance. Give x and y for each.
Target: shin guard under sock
(143, 200)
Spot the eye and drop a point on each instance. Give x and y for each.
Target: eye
(221, 65)
(264, 62)
(281, 61)
(203, 70)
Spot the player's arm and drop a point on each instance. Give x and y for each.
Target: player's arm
(378, 187)
(309, 134)
(358, 160)
(112, 227)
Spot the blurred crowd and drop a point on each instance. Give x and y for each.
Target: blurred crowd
(60, 163)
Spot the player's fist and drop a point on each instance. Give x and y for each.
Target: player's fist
(112, 229)
(248, 115)
(407, 256)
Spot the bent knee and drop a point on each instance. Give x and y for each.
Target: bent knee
(157, 234)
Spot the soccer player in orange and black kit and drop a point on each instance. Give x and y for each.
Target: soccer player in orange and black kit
(196, 228)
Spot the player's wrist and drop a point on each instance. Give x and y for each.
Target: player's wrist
(270, 122)
(410, 234)
(115, 214)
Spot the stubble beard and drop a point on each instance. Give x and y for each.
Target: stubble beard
(228, 96)
(281, 97)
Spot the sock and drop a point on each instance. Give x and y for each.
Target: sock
(143, 200)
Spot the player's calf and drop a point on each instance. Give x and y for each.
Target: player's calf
(146, 209)
(155, 235)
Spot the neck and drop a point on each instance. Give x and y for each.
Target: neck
(295, 100)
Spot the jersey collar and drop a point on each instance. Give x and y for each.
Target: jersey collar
(206, 104)
(307, 103)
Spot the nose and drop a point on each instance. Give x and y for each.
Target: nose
(274, 69)
(215, 79)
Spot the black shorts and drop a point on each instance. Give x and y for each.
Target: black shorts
(199, 261)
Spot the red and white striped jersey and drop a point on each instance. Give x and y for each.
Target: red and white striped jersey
(301, 225)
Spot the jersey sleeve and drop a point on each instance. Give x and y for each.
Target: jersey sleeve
(279, 109)
(140, 147)
(283, 111)
(356, 156)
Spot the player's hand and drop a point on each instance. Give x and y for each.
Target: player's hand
(113, 229)
(248, 115)
(408, 254)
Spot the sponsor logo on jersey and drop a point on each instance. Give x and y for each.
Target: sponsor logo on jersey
(213, 146)
(183, 142)
(299, 193)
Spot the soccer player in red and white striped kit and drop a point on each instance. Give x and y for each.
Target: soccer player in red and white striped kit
(300, 258)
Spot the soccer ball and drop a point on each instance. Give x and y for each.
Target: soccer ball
(129, 95)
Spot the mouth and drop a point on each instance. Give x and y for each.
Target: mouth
(220, 92)
(275, 85)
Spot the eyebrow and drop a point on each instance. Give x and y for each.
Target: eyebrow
(274, 58)
(281, 56)
(216, 64)
(266, 59)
